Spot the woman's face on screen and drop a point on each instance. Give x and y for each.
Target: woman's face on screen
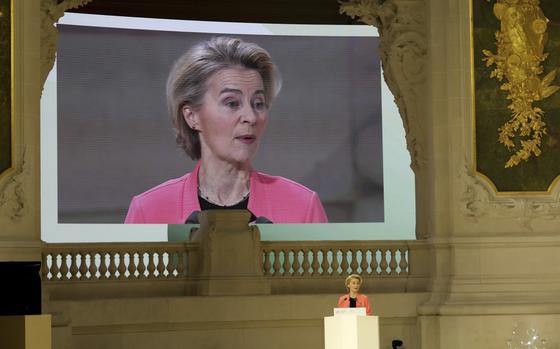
(233, 115)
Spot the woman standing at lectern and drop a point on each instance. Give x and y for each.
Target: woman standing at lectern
(219, 94)
(354, 299)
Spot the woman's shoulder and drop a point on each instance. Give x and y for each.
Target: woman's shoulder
(282, 184)
(166, 188)
(164, 203)
(284, 201)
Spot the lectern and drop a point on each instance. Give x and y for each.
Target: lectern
(351, 332)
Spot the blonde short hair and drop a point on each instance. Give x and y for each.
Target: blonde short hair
(352, 276)
(186, 84)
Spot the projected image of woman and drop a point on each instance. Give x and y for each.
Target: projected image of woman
(219, 94)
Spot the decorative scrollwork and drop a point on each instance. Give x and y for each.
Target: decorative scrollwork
(478, 201)
(402, 50)
(51, 11)
(12, 195)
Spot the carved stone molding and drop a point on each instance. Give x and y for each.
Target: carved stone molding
(478, 200)
(12, 195)
(403, 54)
(51, 11)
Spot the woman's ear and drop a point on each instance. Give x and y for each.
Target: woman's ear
(191, 117)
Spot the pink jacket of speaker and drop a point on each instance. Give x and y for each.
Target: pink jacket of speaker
(362, 301)
(276, 198)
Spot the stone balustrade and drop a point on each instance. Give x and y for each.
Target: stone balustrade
(289, 266)
(115, 261)
(334, 258)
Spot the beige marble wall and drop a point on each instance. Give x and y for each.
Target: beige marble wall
(495, 256)
(286, 321)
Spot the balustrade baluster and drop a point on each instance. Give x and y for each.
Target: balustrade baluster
(315, 262)
(151, 265)
(93, 266)
(102, 265)
(325, 262)
(55, 267)
(374, 262)
(353, 262)
(363, 262)
(335, 262)
(403, 264)
(137, 264)
(277, 265)
(44, 267)
(73, 266)
(266, 262)
(296, 262)
(383, 265)
(170, 264)
(131, 266)
(122, 267)
(392, 261)
(64, 267)
(344, 264)
(58, 267)
(287, 263)
(160, 266)
(112, 266)
(83, 267)
(305, 265)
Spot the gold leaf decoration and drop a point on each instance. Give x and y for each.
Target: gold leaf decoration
(518, 60)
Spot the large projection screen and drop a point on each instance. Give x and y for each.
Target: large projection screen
(106, 135)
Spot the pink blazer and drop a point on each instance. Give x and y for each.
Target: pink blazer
(361, 302)
(276, 198)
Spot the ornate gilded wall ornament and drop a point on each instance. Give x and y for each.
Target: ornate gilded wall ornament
(515, 55)
(518, 66)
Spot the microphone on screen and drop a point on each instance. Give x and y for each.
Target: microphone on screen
(193, 218)
(259, 220)
(263, 220)
(396, 343)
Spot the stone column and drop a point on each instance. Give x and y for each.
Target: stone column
(19, 184)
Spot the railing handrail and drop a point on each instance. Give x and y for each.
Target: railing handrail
(78, 246)
(339, 243)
